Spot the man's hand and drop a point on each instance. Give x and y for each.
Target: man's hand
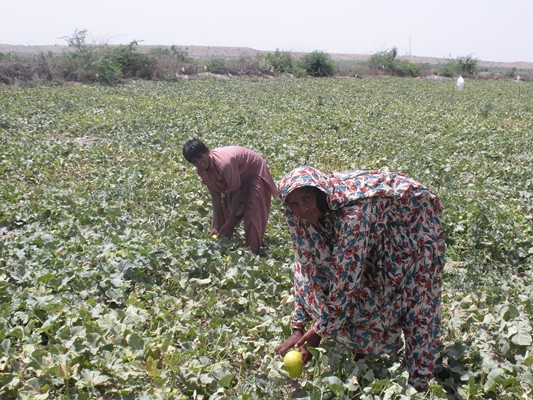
(228, 229)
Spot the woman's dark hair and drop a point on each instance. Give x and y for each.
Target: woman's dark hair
(193, 149)
(321, 201)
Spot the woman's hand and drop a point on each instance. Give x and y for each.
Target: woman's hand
(301, 341)
(289, 343)
(311, 339)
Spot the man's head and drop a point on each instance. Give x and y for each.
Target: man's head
(197, 153)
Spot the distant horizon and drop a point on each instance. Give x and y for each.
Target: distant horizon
(181, 46)
(142, 43)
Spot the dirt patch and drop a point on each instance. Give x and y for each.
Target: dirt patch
(80, 140)
(84, 141)
(5, 233)
(437, 78)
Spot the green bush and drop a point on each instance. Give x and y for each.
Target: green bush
(386, 62)
(318, 64)
(299, 72)
(449, 70)
(280, 61)
(511, 73)
(216, 66)
(383, 61)
(4, 56)
(464, 66)
(105, 63)
(109, 69)
(130, 63)
(407, 68)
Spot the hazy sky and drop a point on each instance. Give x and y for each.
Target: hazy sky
(489, 30)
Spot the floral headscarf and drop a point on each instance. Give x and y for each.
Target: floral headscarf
(342, 188)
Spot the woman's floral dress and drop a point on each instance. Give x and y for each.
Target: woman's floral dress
(372, 269)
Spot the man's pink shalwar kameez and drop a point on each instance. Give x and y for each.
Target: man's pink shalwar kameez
(238, 174)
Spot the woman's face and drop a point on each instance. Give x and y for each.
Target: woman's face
(201, 162)
(303, 203)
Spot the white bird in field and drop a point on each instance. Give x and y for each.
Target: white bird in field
(460, 83)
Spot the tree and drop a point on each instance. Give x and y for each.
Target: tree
(468, 64)
(80, 63)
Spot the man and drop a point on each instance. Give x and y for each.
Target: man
(241, 188)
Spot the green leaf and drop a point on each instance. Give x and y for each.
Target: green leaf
(223, 374)
(136, 342)
(522, 337)
(334, 384)
(16, 333)
(91, 378)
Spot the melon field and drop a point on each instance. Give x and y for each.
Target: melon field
(112, 288)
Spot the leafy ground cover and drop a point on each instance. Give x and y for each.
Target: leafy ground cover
(111, 288)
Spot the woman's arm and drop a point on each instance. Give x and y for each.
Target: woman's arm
(299, 319)
(354, 230)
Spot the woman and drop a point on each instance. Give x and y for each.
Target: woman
(241, 189)
(369, 254)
